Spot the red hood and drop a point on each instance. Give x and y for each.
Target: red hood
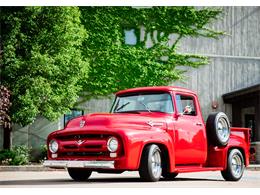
(142, 121)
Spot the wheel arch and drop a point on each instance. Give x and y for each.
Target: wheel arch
(241, 149)
(166, 162)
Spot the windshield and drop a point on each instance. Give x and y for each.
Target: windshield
(152, 102)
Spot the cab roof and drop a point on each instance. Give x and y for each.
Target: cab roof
(155, 88)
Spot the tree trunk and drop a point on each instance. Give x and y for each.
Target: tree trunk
(7, 138)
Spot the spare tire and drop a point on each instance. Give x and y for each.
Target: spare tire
(218, 129)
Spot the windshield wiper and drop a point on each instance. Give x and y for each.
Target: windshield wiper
(146, 107)
(124, 105)
(121, 107)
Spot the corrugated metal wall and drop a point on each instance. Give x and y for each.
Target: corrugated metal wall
(221, 76)
(235, 58)
(242, 26)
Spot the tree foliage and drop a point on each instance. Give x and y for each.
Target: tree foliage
(48, 60)
(41, 60)
(115, 65)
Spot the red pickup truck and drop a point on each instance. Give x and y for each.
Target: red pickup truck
(158, 131)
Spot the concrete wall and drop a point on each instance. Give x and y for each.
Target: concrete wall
(97, 105)
(35, 135)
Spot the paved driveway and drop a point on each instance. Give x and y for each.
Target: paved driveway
(127, 179)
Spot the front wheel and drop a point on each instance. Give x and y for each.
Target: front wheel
(235, 166)
(151, 167)
(168, 175)
(79, 174)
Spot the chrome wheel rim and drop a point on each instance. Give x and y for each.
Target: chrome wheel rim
(223, 129)
(236, 165)
(156, 164)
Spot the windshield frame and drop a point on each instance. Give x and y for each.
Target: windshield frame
(112, 110)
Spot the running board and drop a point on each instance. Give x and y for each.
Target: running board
(187, 169)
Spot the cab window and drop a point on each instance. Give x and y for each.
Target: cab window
(186, 105)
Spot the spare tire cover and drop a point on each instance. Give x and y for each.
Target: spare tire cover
(218, 129)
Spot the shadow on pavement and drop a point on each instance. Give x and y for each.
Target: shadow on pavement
(52, 182)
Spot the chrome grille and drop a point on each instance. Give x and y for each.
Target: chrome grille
(82, 136)
(83, 145)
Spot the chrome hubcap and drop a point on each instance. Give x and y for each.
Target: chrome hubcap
(223, 130)
(156, 164)
(237, 165)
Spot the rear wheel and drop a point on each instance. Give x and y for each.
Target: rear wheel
(151, 167)
(79, 174)
(235, 166)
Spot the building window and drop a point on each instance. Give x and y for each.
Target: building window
(130, 37)
(72, 114)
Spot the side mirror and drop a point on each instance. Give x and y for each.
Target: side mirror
(177, 115)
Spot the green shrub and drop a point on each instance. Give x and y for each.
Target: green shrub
(38, 155)
(18, 155)
(6, 157)
(43, 153)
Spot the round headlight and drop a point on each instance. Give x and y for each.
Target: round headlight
(53, 146)
(112, 144)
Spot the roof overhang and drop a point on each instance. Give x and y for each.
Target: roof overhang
(241, 94)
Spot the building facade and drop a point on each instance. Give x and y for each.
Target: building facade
(229, 83)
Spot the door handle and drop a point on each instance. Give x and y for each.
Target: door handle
(199, 124)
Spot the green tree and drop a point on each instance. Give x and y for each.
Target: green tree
(41, 60)
(48, 61)
(115, 65)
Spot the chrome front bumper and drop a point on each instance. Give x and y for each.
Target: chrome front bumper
(79, 164)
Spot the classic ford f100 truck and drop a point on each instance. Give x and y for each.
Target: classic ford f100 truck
(158, 131)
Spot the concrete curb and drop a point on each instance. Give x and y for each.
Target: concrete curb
(42, 168)
(253, 167)
(27, 168)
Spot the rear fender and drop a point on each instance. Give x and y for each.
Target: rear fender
(217, 156)
(239, 144)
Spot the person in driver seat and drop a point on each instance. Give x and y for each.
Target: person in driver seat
(187, 110)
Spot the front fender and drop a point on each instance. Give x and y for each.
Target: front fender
(138, 140)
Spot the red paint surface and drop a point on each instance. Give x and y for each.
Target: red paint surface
(182, 139)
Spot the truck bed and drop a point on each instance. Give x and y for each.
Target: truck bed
(244, 133)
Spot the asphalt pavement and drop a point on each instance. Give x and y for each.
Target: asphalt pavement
(60, 179)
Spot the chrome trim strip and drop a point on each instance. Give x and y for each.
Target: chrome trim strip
(79, 164)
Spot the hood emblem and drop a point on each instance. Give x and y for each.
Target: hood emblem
(82, 123)
(150, 123)
(80, 142)
(154, 124)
